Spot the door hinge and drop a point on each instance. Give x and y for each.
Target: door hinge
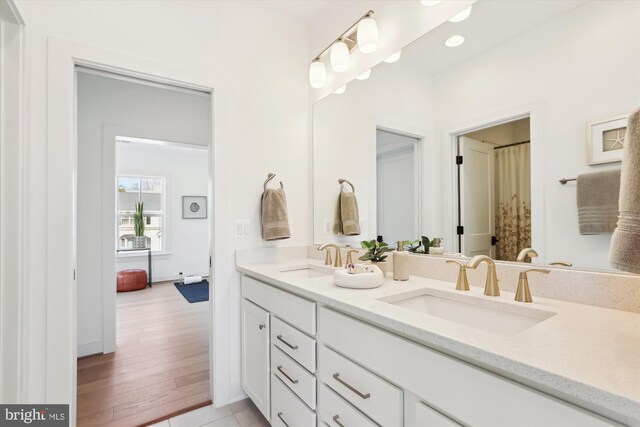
(460, 230)
(494, 240)
(74, 274)
(209, 262)
(459, 160)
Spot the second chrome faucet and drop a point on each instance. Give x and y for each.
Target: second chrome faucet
(491, 285)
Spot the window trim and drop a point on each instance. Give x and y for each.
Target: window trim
(163, 214)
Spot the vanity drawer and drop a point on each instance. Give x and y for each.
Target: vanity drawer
(371, 394)
(288, 307)
(293, 342)
(426, 416)
(333, 409)
(294, 376)
(286, 409)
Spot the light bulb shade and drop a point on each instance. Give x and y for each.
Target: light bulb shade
(317, 74)
(462, 15)
(367, 35)
(393, 58)
(430, 3)
(339, 57)
(340, 90)
(365, 75)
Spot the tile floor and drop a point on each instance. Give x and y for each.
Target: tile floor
(240, 414)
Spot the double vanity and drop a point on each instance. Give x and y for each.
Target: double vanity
(421, 353)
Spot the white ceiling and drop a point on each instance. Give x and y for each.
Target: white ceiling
(302, 9)
(492, 22)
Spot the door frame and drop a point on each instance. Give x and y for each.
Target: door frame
(536, 111)
(61, 244)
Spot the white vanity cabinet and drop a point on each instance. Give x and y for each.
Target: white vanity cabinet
(255, 355)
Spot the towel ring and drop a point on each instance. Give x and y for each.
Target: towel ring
(269, 178)
(342, 181)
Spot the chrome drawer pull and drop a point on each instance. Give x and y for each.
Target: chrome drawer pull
(282, 419)
(285, 374)
(292, 347)
(335, 420)
(336, 377)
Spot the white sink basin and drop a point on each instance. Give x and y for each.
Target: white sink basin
(493, 316)
(307, 271)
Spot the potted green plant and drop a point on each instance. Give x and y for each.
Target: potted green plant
(376, 254)
(413, 246)
(139, 239)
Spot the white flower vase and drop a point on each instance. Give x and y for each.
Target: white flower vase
(383, 266)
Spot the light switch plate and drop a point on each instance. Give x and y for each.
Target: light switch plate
(243, 227)
(246, 228)
(239, 229)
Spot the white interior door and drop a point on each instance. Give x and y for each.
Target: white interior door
(396, 187)
(477, 197)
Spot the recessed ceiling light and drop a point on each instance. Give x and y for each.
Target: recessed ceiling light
(461, 16)
(430, 3)
(454, 41)
(393, 58)
(365, 75)
(340, 90)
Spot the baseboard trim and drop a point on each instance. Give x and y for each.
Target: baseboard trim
(89, 349)
(236, 394)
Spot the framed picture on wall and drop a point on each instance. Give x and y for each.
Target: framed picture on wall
(606, 140)
(194, 207)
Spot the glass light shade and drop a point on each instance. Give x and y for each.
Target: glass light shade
(367, 35)
(365, 75)
(430, 3)
(454, 41)
(340, 90)
(317, 74)
(461, 16)
(393, 58)
(339, 57)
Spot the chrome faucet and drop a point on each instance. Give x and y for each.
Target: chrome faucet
(349, 256)
(522, 256)
(491, 285)
(523, 294)
(463, 283)
(327, 259)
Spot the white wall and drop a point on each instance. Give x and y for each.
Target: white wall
(107, 106)
(396, 97)
(258, 56)
(565, 66)
(186, 173)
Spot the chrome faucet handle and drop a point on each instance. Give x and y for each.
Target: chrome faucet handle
(523, 294)
(491, 284)
(349, 256)
(327, 257)
(463, 283)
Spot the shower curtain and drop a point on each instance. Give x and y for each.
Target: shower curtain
(513, 200)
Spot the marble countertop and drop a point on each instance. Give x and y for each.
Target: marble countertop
(587, 355)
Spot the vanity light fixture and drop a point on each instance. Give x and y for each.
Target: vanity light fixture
(365, 75)
(363, 34)
(340, 90)
(339, 57)
(393, 58)
(454, 41)
(462, 15)
(367, 35)
(430, 3)
(317, 74)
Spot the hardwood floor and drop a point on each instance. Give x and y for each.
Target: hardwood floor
(161, 364)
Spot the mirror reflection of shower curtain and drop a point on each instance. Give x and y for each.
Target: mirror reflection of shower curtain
(513, 200)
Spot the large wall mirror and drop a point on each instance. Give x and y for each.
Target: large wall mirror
(469, 143)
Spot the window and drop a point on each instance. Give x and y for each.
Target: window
(149, 190)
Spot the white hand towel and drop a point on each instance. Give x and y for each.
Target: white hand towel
(192, 279)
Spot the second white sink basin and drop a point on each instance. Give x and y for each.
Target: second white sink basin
(493, 316)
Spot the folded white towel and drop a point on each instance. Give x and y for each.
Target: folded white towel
(192, 279)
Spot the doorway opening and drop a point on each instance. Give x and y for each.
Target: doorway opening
(397, 186)
(143, 342)
(494, 190)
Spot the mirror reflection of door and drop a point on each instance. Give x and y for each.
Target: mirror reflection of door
(495, 191)
(397, 207)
